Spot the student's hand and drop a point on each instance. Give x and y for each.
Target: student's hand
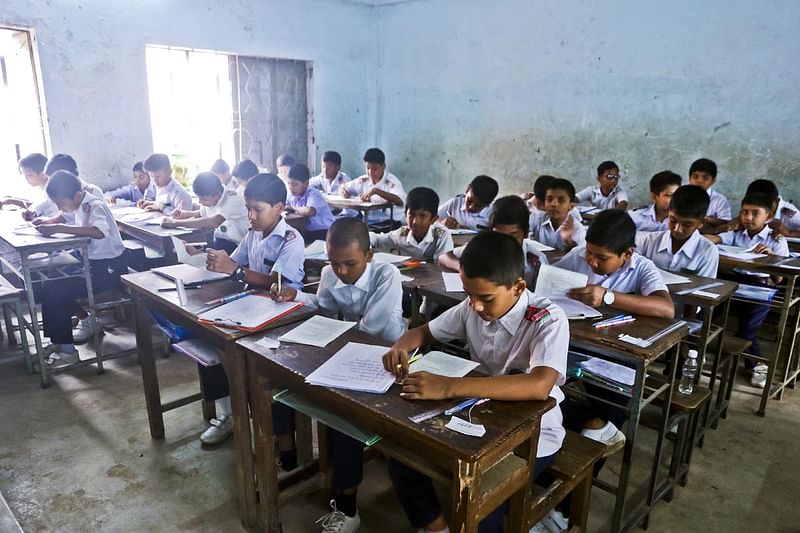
(141, 204)
(777, 227)
(192, 250)
(168, 222)
(178, 214)
(762, 249)
(287, 294)
(425, 386)
(219, 261)
(396, 362)
(153, 206)
(526, 196)
(28, 215)
(110, 200)
(38, 221)
(450, 222)
(49, 229)
(343, 192)
(567, 229)
(289, 209)
(591, 295)
(367, 195)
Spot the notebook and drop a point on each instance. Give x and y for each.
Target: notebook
(317, 331)
(357, 367)
(251, 313)
(189, 274)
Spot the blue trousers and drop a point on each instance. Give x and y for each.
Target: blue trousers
(751, 317)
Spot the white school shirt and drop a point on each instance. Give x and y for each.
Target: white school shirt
(43, 206)
(697, 255)
(531, 253)
(788, 214)
(637, 276)
(437, 241)
(323, 185)
(282, 250)
(232, 208)
(545, 233)
(232, 185)
(515, 343)
(594, 195)
(173, 196)
(375, 300)
(775, 242)
(94, 212)
(645, 219)
(537, 213)
(388, 183)
(132, 193)
(457, 208)
(718, 206)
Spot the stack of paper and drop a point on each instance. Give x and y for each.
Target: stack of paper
(357, 367)
(317, 331)
(672, 279)
(610, 371)
(251, 313)
(738, 252)
(452, 282)
(443, 364)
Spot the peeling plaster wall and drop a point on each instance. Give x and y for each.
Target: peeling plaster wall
(516, 88)
(93, 67)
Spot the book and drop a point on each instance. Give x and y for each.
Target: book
(317, 331)
(251, 313)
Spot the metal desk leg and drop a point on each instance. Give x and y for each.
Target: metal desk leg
(152, 395)
(87, 275)
(23, 336)
(37, 334)
(787, 300)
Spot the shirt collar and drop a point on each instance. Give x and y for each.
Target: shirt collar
(362, 283)
(511, 320)
(428, 238)
(689, 248)
(279, 230)
(761, 236)
(650, 212)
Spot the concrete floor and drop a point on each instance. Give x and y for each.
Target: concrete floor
(78, 457)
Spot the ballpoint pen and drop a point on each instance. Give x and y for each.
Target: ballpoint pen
(466, 404)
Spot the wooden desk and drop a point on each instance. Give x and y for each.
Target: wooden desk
(144, 290)
(445, 455)
(298, 222)
(461, 239)
(365, 208)
(157, 237)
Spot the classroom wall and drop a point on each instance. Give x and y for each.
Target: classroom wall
(516, 88)
(93, 66)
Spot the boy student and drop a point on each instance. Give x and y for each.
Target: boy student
(223, 171)
(308, 202)
(654, 217)
(270, 249)
(753, 218)
(471, 209)
(67, 163)
(785, 217)
(244, 172)
(557, 227)
(368, 293)
(142, 188)
(681, 248)
(377, 182)
(283, 163)
(609, 193)
(92, 218)
(331, 179)
(220, 208)
(520, 341)
(170, 195)
(703, 173)
(422, 237)
(32, 168)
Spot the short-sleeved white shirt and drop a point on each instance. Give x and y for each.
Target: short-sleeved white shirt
(457, 208)
(388, 183)
(775, 242)
(325, 186)
(232, 208)
(545, 233)
(788, 214)
(93, 212)
(718, 206)
(437, 241)
(282, 250)
(594, 195)
(697, 255)
(645, 219)
(637, 276)
(173, 196)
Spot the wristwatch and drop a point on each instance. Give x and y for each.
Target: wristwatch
(608, 298)
(238, 274)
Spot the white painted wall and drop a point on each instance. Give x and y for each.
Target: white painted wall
(93, 65)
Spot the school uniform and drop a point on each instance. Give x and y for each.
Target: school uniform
(533, 258)
(132, 193)
(697, 255)
(594, 196)
(230, 233)
(281, 250)
(533, 333)
(437, 241)
(43, 206)
(232, 185)
(546, 233)
(718, 206)
(788, 214)
(316, 226)
(637, 276)
(326, 186)
(106, 262)
(173, 196)
(537, 214)
(388, 183)
(645, 219)
(457, 208)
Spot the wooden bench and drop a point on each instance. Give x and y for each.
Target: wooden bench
(732, 347)
(12, 299)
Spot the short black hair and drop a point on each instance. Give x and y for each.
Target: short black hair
(285, 160)
(157, 162)
(375, 155)
(762, 186)
(485, 189)
(245, 170)
(63, 184)
(704, 165)
(207, 184)
(299, 172)
(606, 165)
(61, 162)
(220, 166)
(690, 201)
(540, 186)
(662, 180)
(561, 184)
(422, 198)
(760, 200)
(493, 256)
(35, 162)
(612, 229)
(510, 210)
(138, 166)
(266, 188)
(332, 157)
(347, 230)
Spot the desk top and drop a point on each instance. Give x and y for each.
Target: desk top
(772, 264)
(354, 203)
(725, 291)
(461, 239)
(387, 414)
(140, 226)
(10, 220)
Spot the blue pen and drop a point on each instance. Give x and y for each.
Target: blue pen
(611, 320)
(231, 298)
(466, 404)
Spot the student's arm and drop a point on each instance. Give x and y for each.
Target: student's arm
(19, 202)
(389, 197)
(567, 231)
(511, 388)
(444, 246)
(78, 231)
(120, 193)
(219, 261)
(657, 304)
(381, 242)
(716, 239)
(449, 261)
(41, 221)
(622, 205)
(303, 211)
(585, 194)
(205, 222)
(180, 214)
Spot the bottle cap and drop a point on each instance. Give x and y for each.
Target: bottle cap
(693, 354)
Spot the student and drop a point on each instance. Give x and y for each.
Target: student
(520, 341)
(220, 208)
(142, 188)
(283, 163)
(703, 173)
(509, 216)
(422, 237)
(609, 193)
(368, 293)
(223, 171)
(242, 173)
(654, 217)
(785, 217)
(557, 227)
(308, 202)
(270, 249)
(755, 214)
(537, 198)
(681, 248)
(67, 163)
(92, 218)
(471, 209)
(38, 204)
(170, 195)
(331, 179)
(377, 182)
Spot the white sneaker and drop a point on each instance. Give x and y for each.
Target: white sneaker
(56, 357)
(219, 430)
(338, 522)
(759, 377)
(610, 435)
(541, 527)
(84, 331)
(557, 520)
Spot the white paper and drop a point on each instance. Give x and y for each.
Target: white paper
(317, 250)
(671, 278)
(463, 231)
(317, 331)
(705, 294)
(356, 367)
(636, 341)
(443, 364)
(154, 221)
(188, 273)
(738, 252)
(574, 309)
(459, 425)
(383, 257)
(403, 277)
(125, 211)
(452, 282)
(268, 343)
(554, 281)
(248, 312)
(588, 209)
(607, 369)
(541, 247)
(197, 261)
(137, 217)
(355, 201)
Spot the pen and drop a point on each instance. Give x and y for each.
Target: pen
(466, 404)
(414, 356)
(187, 287)
(610, 320)
(231, 298)
(615, 323)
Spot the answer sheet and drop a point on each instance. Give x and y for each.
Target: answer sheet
(317, 331)
(357, 367)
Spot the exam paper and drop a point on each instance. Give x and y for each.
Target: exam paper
(317, 331)
(607, 369)
(452, 282)
(125, 211)
(541, 247)
(137, 217)
(574, 309)
(462, 231)
(198, 261)
(671, 278)
(443, 364)
(554, 281)
(383, 257)
(738, 252)
(357, 367)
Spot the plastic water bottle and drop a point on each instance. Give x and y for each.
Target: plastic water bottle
(687, 375)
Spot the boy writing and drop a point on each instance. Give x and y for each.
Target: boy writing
(242, 173)
(222, 170)
(471, 209)
(331, 179)
(703, 173)
(654, 217)
(59, 162)
(609, 193)
(308, 202)
(142, 188)
(170, 195)
(557, 227)
(377, 184)
(39, 205)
